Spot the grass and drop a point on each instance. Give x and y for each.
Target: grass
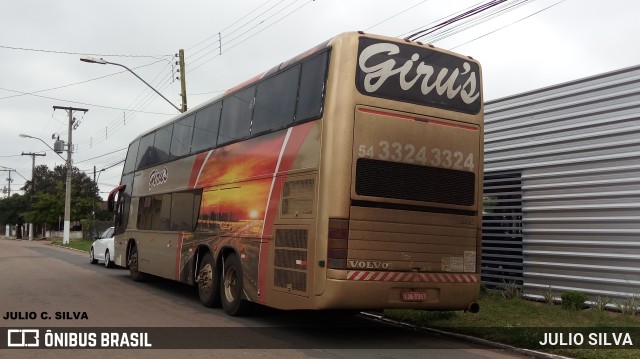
(79, 244)
(519, 322)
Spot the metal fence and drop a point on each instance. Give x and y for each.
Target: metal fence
(577, 148)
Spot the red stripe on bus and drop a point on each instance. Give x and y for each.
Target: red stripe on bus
(442, 123)
(296, 139)
(390, 114)
(413, 118)
(178, 252)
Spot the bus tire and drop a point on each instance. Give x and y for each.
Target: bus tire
(231, 288)
(208, 282)
(134, 272)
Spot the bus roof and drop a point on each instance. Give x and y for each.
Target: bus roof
(283, 65)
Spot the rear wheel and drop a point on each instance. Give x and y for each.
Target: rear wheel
(231, 288)
(134, 272)
(92, 257)
(208, 282)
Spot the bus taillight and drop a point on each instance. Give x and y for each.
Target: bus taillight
(338, 245)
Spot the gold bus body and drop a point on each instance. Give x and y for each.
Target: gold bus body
(290, 184)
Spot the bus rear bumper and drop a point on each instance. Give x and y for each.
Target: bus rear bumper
(441, 291)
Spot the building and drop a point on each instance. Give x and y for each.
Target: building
(562, 188)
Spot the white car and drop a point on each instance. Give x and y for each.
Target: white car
(102, 248)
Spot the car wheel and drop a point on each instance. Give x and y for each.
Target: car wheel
(107, 259)
(92, 258)
(231, 288)
(134, 272)
(208, 282)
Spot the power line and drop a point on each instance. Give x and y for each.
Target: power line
(472, 22)
(503, 27)
(392, 16)
(245, 24)
(78, 53)
(418, 35)
(78, 83)
(119, 121)
(84, 103)
(216, 34)
(255, 33)
(106, 154)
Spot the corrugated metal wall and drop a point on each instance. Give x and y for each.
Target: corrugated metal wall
(576, 147)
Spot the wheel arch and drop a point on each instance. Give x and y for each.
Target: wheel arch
(131, 242)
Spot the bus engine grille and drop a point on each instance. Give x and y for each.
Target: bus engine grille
(290, 261)
(413, 182)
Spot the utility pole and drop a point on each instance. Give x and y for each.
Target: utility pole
(9, 180)
(33, 187)
(67, 199)
(183, 81)
(2, 168)
(33, 165)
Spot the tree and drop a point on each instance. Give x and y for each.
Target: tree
(12, 209)
(49, 195)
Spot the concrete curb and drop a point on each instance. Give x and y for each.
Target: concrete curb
(73, 249)
(533, 353)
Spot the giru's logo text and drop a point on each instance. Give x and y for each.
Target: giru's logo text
(445, 80)
(158, 177)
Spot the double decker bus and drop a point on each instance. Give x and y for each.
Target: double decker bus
(348, 177)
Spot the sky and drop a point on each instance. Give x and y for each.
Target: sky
(536, 44)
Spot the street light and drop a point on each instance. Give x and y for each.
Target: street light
(46, 144)
(101, 61)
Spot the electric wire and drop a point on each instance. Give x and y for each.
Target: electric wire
(255, 33)
(397, 14)
(78, 53)
(505, 26)
(476, 10)
(246, 24)
(480, 19)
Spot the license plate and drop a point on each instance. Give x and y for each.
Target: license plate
(414, 296)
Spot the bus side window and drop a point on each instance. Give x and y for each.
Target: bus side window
(145, 151)
(237, 109)
(312, 87)
(205, 132)
(276, 101)
(162, 143)
(181, 137)
(132, 153)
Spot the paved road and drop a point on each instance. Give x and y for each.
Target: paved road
(36, 277)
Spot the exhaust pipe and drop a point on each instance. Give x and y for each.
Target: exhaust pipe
(473, 308)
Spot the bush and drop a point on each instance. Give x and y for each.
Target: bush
(549, 296)
(600, 303)
(630, 305)
(511, 290)
(573, 300)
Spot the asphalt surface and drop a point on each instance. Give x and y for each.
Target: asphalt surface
(37, 278)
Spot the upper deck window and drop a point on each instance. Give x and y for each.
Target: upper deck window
(314, 72)
(205, 133)
(237, 109)
(419, 75)
(276, 101)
